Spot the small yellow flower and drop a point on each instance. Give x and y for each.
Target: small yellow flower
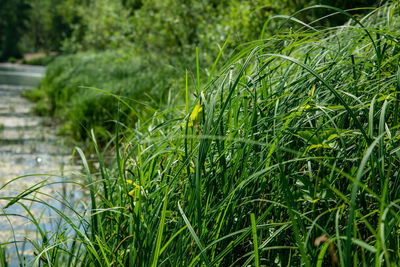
(196, 113)
(196, 116)
(315, 200)
(132, 192)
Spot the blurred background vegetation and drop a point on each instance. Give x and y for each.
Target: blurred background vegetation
(118, 45)
(168, 27)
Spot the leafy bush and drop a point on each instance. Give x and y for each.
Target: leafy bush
(103, 24)
(70, 80)
(12, 60)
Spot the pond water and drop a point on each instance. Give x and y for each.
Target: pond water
(30, 153)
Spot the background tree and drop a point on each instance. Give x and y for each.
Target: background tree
(103, 24)
(167, 28)
(13, 19)
(51, 22)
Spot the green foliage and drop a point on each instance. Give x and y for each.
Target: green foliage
(165, 27)
(345, 5)
(35, 95)
(103, 24)
(170, 27)
(41, 107)
(12, 60)
(290, 165)
(49, 23)
(70, 80)
(13, 16)
(41, 61)
(175, 27)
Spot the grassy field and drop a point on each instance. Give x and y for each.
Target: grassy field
(287, 156)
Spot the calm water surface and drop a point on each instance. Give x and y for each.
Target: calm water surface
(28, 147)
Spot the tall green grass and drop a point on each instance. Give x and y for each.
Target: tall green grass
(292, 160)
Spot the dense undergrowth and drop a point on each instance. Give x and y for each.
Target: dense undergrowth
(77, 91)
(289, 156)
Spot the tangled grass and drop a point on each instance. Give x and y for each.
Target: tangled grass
(295, 161)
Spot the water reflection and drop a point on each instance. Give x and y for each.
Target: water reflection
(28, 147)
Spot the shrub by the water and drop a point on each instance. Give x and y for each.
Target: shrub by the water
(40, 61)
(72, 81)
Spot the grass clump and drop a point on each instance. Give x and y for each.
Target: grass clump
(296, 148)
(35, 95)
